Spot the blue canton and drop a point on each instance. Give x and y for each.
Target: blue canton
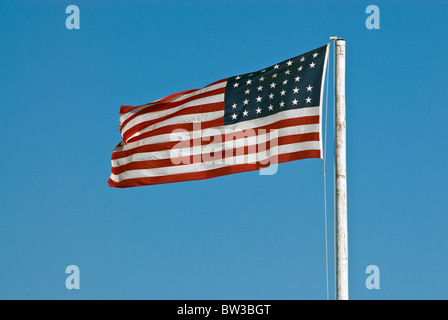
(291, 84)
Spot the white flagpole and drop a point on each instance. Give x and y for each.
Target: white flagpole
(341, 175)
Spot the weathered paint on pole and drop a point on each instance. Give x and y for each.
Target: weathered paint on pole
(341, 176)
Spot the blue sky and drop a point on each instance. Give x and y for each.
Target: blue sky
(242, 236)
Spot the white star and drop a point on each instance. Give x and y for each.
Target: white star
(234, 106)
(258, 110)
(249, 81)
(308, 100)
(274, 75)
(263, 70)
(238, 78)
(234, 116)
(288, 71)
(271, 107)
(273, 85)
(285, 81)
(289, 63)
(247, 91)
(283, 92)
(315, 54)
(260, 88)
(312, 64)
(245, 101)
(282, 104)
(245, 113)
(296, 90)
(294, 102)
(297, 79)
(300, 68)
(309, 88)
(236, 84)
(271, 96)
(258, 99)
(302, 59)
(261, 78)
(276, 66)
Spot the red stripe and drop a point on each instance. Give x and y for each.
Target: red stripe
(216, 82)
(168, 145)
(165, 105)
(210, 107)
(245, 150)
(169, 105)
(212, 173)
(126, 109)
(178, 126)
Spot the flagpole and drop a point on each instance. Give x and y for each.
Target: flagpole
(341, 175)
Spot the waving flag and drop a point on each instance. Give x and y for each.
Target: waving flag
(238, 124)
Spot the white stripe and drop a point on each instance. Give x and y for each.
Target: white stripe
(215, 145)
(188, 118)
(155, 115)
(181, 97)
(198, 167)
(250, 124)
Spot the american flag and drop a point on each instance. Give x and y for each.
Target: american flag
(242, 123)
